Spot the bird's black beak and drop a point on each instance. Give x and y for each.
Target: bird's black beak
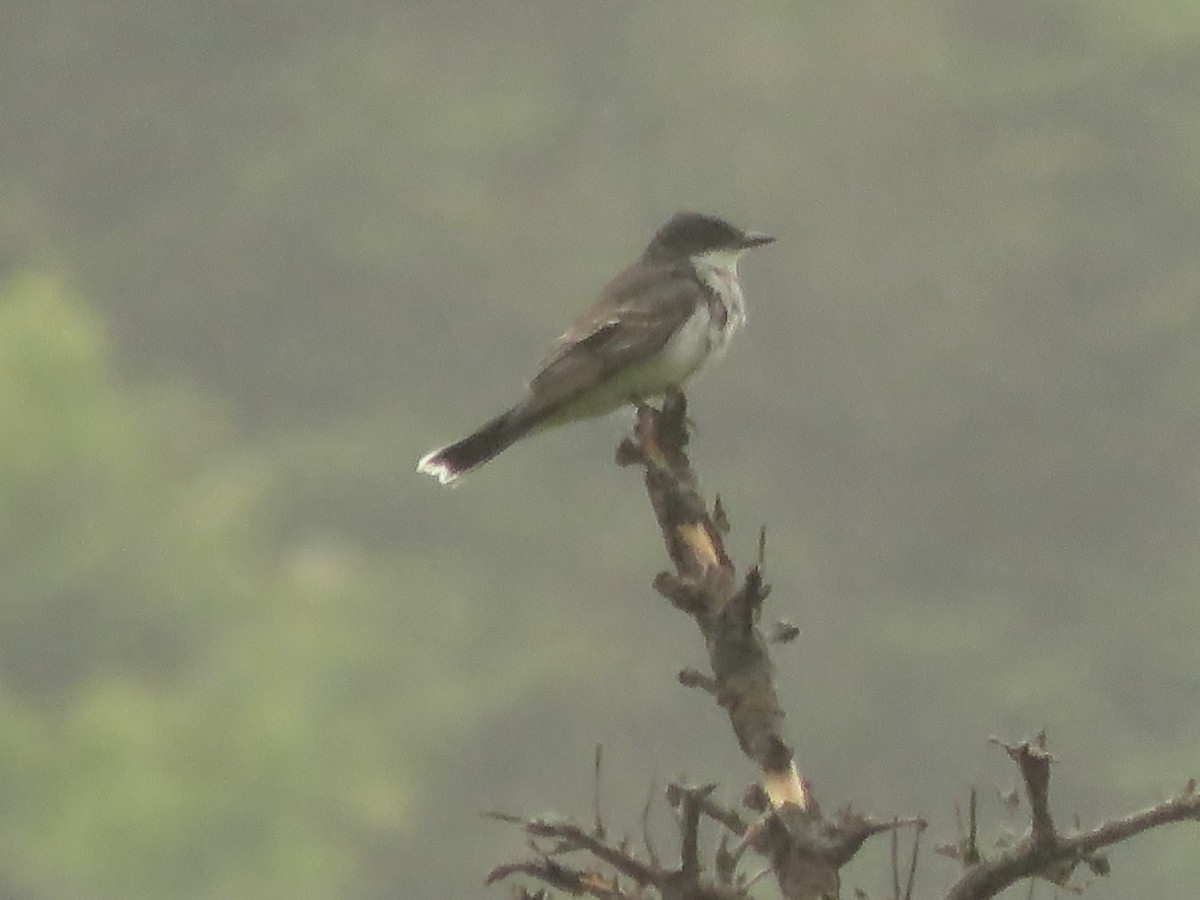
(755, 239)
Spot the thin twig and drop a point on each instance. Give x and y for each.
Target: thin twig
(651, 853)
(599, 821)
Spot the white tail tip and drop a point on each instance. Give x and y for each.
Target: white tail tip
(438, 468)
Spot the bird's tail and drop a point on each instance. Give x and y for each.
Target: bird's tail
(453, 461)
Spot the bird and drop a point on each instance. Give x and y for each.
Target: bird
(651, 327)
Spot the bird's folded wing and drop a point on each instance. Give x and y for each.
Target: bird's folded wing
(633, 319)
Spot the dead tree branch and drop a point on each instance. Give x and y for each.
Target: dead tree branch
(805, 849)
(1044, 853)
(704, 585)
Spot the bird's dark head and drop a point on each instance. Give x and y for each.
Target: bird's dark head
(691, 234)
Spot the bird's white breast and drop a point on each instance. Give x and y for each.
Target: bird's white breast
(686, 349)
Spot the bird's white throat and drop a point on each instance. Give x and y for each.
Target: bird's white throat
(718, 270)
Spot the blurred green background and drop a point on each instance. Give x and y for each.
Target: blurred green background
(255, 258)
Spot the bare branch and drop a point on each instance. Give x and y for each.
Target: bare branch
(1034, 763)
(805, 849)
(575, 838)
(704, 586)
(1043, 853)
(911, 880)
(689, 829)
(647, 841)
(598, 820)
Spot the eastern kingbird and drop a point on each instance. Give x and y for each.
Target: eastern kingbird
(652, 326)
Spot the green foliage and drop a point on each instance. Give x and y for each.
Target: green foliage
(192, 695)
